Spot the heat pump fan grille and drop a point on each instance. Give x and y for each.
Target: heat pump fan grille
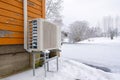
(49, 35)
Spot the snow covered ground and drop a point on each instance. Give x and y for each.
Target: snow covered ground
(68, 70)
(96, 51)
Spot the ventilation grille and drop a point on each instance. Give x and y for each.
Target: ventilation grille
(49, 35)
(32, 35)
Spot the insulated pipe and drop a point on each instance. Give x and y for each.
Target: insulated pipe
(25, 23)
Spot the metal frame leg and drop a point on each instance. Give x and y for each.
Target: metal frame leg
(45, 64)
(33, 64)
(45, 69)
(57, 64)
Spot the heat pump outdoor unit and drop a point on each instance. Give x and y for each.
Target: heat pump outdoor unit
(42, 35)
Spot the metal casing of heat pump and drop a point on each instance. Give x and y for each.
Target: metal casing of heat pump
(42, 35)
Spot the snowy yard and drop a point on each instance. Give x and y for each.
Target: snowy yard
(98, 51)
(69, 70)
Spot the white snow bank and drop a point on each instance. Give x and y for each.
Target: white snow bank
(102, 40)
(68, 70)
(98, 51)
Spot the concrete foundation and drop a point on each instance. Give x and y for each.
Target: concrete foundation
(13, 59)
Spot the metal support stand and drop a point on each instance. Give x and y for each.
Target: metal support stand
(46, 62)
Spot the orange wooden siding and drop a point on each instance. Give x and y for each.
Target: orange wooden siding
(11, 19)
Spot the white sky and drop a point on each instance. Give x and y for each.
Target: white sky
(89, 10)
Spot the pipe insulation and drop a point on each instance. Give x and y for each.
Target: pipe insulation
(25, 23)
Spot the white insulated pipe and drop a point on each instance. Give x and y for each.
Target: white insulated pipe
(25, 23)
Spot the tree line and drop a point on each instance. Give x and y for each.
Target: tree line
(80, 30)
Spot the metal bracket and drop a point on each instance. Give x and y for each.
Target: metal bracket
(46, 61)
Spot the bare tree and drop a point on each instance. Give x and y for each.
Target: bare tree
(111, 26)
(53, 8)
(94, 32)
(58, 22)
(117, 25)
(111, 33)
(78, 31)
(64, 35)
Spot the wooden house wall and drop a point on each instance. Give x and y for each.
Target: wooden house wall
(11, 19)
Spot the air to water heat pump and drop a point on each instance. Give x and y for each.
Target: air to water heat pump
(42, 35)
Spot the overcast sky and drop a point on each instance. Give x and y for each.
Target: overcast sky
(89, 10)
